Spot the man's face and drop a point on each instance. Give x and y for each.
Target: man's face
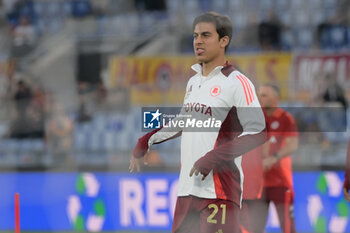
(268, 97)
(206, 42)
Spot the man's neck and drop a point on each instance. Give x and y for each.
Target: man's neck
(270, 111)
(208, 67)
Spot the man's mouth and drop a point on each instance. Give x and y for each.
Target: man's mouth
(199, 51)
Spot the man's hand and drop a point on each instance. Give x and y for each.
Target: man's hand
(346, 187)
(203, 166)
(141, 151)
(196, 172)
(135, 162)
(346, 194)
(269, 162)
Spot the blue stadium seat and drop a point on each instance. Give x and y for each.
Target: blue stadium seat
(110, 141)
(67, 8)
(219, 6)
(338, 36)
(316, 17)
(329, 12)
(282, 5)
(334, 37)
(305, 38)
(39, 8)
(234, 5)
(302, 18)
(285, 17)
(239, 20)
(287, 39)
(315, 4)
(266, 4)
(53, 8)
(330, 3)
(173, 6)
(79, 140)
(297, 4)
(80, 8)
(37, 144)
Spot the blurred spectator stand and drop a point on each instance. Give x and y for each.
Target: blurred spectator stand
(24, 38)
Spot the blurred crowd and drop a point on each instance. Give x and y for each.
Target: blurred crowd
(271, 33)
(269, 25)
(32, 113)
(28, 115)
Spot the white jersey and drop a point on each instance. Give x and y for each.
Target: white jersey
(225, 94)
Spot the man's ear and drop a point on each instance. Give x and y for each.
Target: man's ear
(224, 41)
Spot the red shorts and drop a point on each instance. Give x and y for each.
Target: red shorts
(255, 212)
(251, 214)
(199, 215)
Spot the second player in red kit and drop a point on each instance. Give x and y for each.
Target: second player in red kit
(276, 164)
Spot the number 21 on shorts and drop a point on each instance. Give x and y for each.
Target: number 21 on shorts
(215, 209)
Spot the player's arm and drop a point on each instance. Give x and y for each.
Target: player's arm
(290, 140)
(227, 152)
(291, 145)
(266, 145)
(145, 142)
(254, 134)
(346, 185)
(154, 137)
(266, 149)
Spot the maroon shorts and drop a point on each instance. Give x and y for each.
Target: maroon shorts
(252, 216)
(200, 215)
(255, 212)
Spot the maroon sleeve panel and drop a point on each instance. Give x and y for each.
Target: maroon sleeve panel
(347, 169)
(141, 147)
(228, 151)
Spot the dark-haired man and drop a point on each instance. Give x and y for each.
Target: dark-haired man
(210, 203)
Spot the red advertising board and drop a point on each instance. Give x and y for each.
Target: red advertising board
(309, 73)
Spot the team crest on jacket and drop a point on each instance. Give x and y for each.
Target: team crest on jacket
(188, 92)
(275, 125)
(215, 91)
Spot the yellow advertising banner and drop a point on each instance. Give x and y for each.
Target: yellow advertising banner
(6, 73)
(162, 80)
(266, 68)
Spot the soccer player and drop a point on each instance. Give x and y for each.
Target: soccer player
(346, 185)
(210, 182)
(277, 163)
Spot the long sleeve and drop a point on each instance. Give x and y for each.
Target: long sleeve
(230, 150)
(347, 169)
(142, 147)
(158, 135)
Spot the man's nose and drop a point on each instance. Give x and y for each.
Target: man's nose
(198, 40)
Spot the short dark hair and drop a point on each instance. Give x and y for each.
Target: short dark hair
(222, 23)
(275, 87)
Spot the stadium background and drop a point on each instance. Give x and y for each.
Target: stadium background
(74, 75)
